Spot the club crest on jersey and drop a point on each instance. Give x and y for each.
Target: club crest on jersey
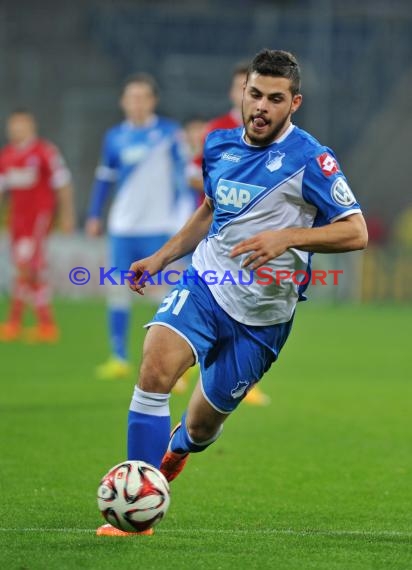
(134, 154)
(274, 162)
(239, 389)
(341, 193)
(232, 196)
(327, 164)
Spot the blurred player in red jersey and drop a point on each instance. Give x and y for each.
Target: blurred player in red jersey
(35, 176)
(230, 120)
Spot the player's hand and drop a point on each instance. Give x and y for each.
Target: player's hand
(262, 248)
(94, 227)
(67, 225)
(141, 270)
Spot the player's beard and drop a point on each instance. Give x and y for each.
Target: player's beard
(271, 136)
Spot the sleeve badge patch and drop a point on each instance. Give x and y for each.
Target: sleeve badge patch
(327, 164)
(341, 193)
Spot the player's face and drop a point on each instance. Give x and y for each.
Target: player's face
(267, 107)
(138, 102)
(20, 128)
(236, 90)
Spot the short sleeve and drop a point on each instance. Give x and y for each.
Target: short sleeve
(3, 185)
(59, 173)
(180, 155)
(106, 171)
(326, 188)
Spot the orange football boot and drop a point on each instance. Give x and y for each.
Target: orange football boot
(173, 463)
(10, 331)
(42, 333)
(109, 530)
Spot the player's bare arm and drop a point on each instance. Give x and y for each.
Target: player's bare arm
(3, 188)
(66, 208)
(94, 227)
(179, 245)
(196, 183)
(348, 234)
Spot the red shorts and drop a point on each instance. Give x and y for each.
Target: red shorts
(28, 241)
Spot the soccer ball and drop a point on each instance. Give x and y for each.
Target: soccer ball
(133, 496)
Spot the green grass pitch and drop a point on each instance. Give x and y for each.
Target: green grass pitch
(322, 478)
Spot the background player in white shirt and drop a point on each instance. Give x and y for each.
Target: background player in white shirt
(144, 160)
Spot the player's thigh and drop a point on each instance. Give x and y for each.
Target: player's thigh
(41, 231)
(189, 310)
(29, 243)
(239, 359)
(22, 250)
(166, 355)
(29, 257)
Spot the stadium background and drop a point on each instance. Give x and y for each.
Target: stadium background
(322, 478)
(66, 62)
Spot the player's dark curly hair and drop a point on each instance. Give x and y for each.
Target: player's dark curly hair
(277, 63)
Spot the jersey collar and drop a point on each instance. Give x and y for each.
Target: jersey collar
(277, 141)
(150, 122)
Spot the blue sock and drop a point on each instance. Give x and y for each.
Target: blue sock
(148, 427)
(118, 328)
(181, 441)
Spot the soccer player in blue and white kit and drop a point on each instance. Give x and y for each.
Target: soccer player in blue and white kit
(145, 159)
(274, 195)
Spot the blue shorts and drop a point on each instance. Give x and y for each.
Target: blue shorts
(232, 356)
(126, 249)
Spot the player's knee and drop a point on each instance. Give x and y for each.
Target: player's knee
(154, 376)
(203, 432)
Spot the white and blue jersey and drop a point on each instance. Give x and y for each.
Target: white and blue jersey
(293, 182)
(147, 166)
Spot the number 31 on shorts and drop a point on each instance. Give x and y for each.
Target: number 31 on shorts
(168, 301)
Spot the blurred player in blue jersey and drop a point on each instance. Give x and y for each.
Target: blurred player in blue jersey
(274, 195)
(144, 158)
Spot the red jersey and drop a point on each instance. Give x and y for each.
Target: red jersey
(31, 173)
(228, 121)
